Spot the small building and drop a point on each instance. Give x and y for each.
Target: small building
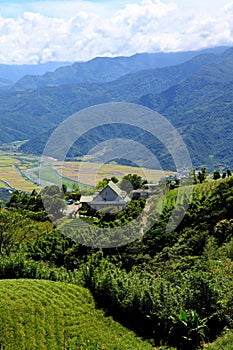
(110, 198)
(145, 193)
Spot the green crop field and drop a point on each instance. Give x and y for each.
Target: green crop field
(53, 315)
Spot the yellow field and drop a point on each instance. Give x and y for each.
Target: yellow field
(5, 161)
(13, 168)
(91, 173)
(10, 174)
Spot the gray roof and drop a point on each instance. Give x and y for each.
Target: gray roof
(118, 191)
(122, 194)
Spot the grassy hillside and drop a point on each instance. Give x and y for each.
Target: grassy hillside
(53, 315)
(222, 343)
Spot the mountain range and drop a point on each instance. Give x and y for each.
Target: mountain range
(106, 69)
(11, 73)
(196, 96)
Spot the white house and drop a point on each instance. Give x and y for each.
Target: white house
(109, 198)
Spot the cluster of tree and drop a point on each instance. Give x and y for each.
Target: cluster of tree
(217, 175)
(128, 182)
(200, 176)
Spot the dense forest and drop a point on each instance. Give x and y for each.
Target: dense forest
(172, 288)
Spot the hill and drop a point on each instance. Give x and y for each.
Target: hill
(195, 96)
(198, 103)
(201, 108)
(106, 69)
(23, 113)
(4, 83)
(53, 315)
(14, 72)
(172, 285)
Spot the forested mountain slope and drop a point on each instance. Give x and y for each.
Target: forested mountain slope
(201, 108)
(195, 96)
(24, 114)
(106, 69)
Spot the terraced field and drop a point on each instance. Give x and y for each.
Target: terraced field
(10, 174)
(53, 315)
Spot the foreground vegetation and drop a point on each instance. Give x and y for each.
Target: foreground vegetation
(172, 287)
(53, 315)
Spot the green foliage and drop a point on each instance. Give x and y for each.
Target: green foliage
(188, 330)
(20, 200)
(53, 200)
(156, 302)
(202, 175)
(18, 266)
(174, 287)
(103, 183)
(16, 229)
(132, 181)
(216, 175)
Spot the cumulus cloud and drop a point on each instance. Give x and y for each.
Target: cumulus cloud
(148, 26)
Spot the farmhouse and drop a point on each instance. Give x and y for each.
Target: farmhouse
(109, 198)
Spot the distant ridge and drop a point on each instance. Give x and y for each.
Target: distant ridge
(14, 72)
(26, 114)
(105, 69)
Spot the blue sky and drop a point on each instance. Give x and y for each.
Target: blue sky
(77, 30)
(16, 8)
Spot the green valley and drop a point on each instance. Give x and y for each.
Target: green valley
(105, 246)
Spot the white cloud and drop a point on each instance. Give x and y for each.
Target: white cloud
(147, 26)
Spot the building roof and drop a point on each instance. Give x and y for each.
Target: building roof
(116, 189)
(122, 194)
(86, 199)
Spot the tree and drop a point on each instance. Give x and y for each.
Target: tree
(114, 179)
(53, 200)
(202, 175)
(194, 176)
(103, 183)
(64, 188)
(21, 200)
(132, 181)
(216, 175)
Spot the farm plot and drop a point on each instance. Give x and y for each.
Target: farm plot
(91, 173)
(53, 315)
(11, 176)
